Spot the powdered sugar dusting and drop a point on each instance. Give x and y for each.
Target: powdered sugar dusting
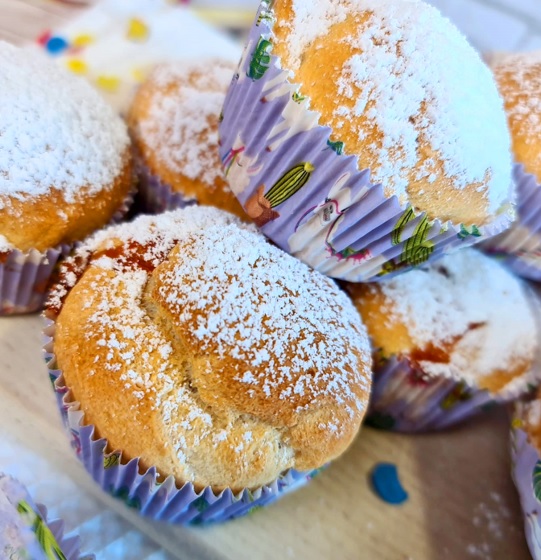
(471, 304)
(313, 20)
(259, 305)
(55, 131)
(254, 315)
(414, 78)
(519, 77)
(182, 123)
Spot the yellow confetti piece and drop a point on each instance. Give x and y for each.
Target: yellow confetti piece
(138, 74)
(77, 66)
(137, 30)
(517, 423)
(82, 40)
(108, 83)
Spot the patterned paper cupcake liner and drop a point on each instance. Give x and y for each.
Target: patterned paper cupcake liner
(308, 197)
(520, 246)
(406, 400)
(155, 195)
(44, 539)
(24, 276)
(161, 501)
(526, 471)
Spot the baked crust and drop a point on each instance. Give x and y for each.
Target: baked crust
(211, 355)
(162, 146)
(46, 221)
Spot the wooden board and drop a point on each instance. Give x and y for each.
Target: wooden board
(462, 503)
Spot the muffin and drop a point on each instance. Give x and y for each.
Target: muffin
(174, 125)
(519, 80)
(65, 171)
(448, 339)
(198, 350)
(372, 134)
(24, 530)
(526, 467)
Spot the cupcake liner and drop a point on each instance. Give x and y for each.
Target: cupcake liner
(404, 399)
(24, 277)
(526, 472)
(155, 195)
(520, 246)
(161, 501)
(36, 515)
(311, 200)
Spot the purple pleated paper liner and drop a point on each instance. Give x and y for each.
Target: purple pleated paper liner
(69, 545)
(155, 195)
(526, 471)
(406, 400)
(520, 246)
(161, 501)
(336, 221)
(24, 278)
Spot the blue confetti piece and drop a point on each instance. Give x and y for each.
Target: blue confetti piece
(55, 45)
(385, 482)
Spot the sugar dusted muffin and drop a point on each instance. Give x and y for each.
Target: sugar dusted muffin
(65, 165)
(447, 339)
(65, 171)
(403, 90)
(193, 344)
(371, 134)
(174, 124)
(519, 81)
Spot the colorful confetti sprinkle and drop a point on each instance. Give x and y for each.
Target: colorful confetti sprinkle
(83, 40)
(77, 66)
(137, 30)
(108, 83)
(56, 45)
(386, 484)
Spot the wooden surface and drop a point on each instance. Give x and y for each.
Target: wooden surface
(462, 503)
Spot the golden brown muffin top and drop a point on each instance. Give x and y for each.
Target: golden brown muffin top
(174, 124)
(529, 413)
(60, 145)
(465, 317)
(193, 343)
(406, 93)
(519, 80)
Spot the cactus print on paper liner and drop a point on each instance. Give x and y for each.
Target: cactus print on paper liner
(337, 221)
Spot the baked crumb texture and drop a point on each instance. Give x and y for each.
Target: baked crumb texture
(462, 331)
(366, 138)
(519, 81)
(65, 163)
(404, 91)
(192, 343)
(173, 121)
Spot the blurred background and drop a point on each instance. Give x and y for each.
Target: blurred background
(491, 25)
